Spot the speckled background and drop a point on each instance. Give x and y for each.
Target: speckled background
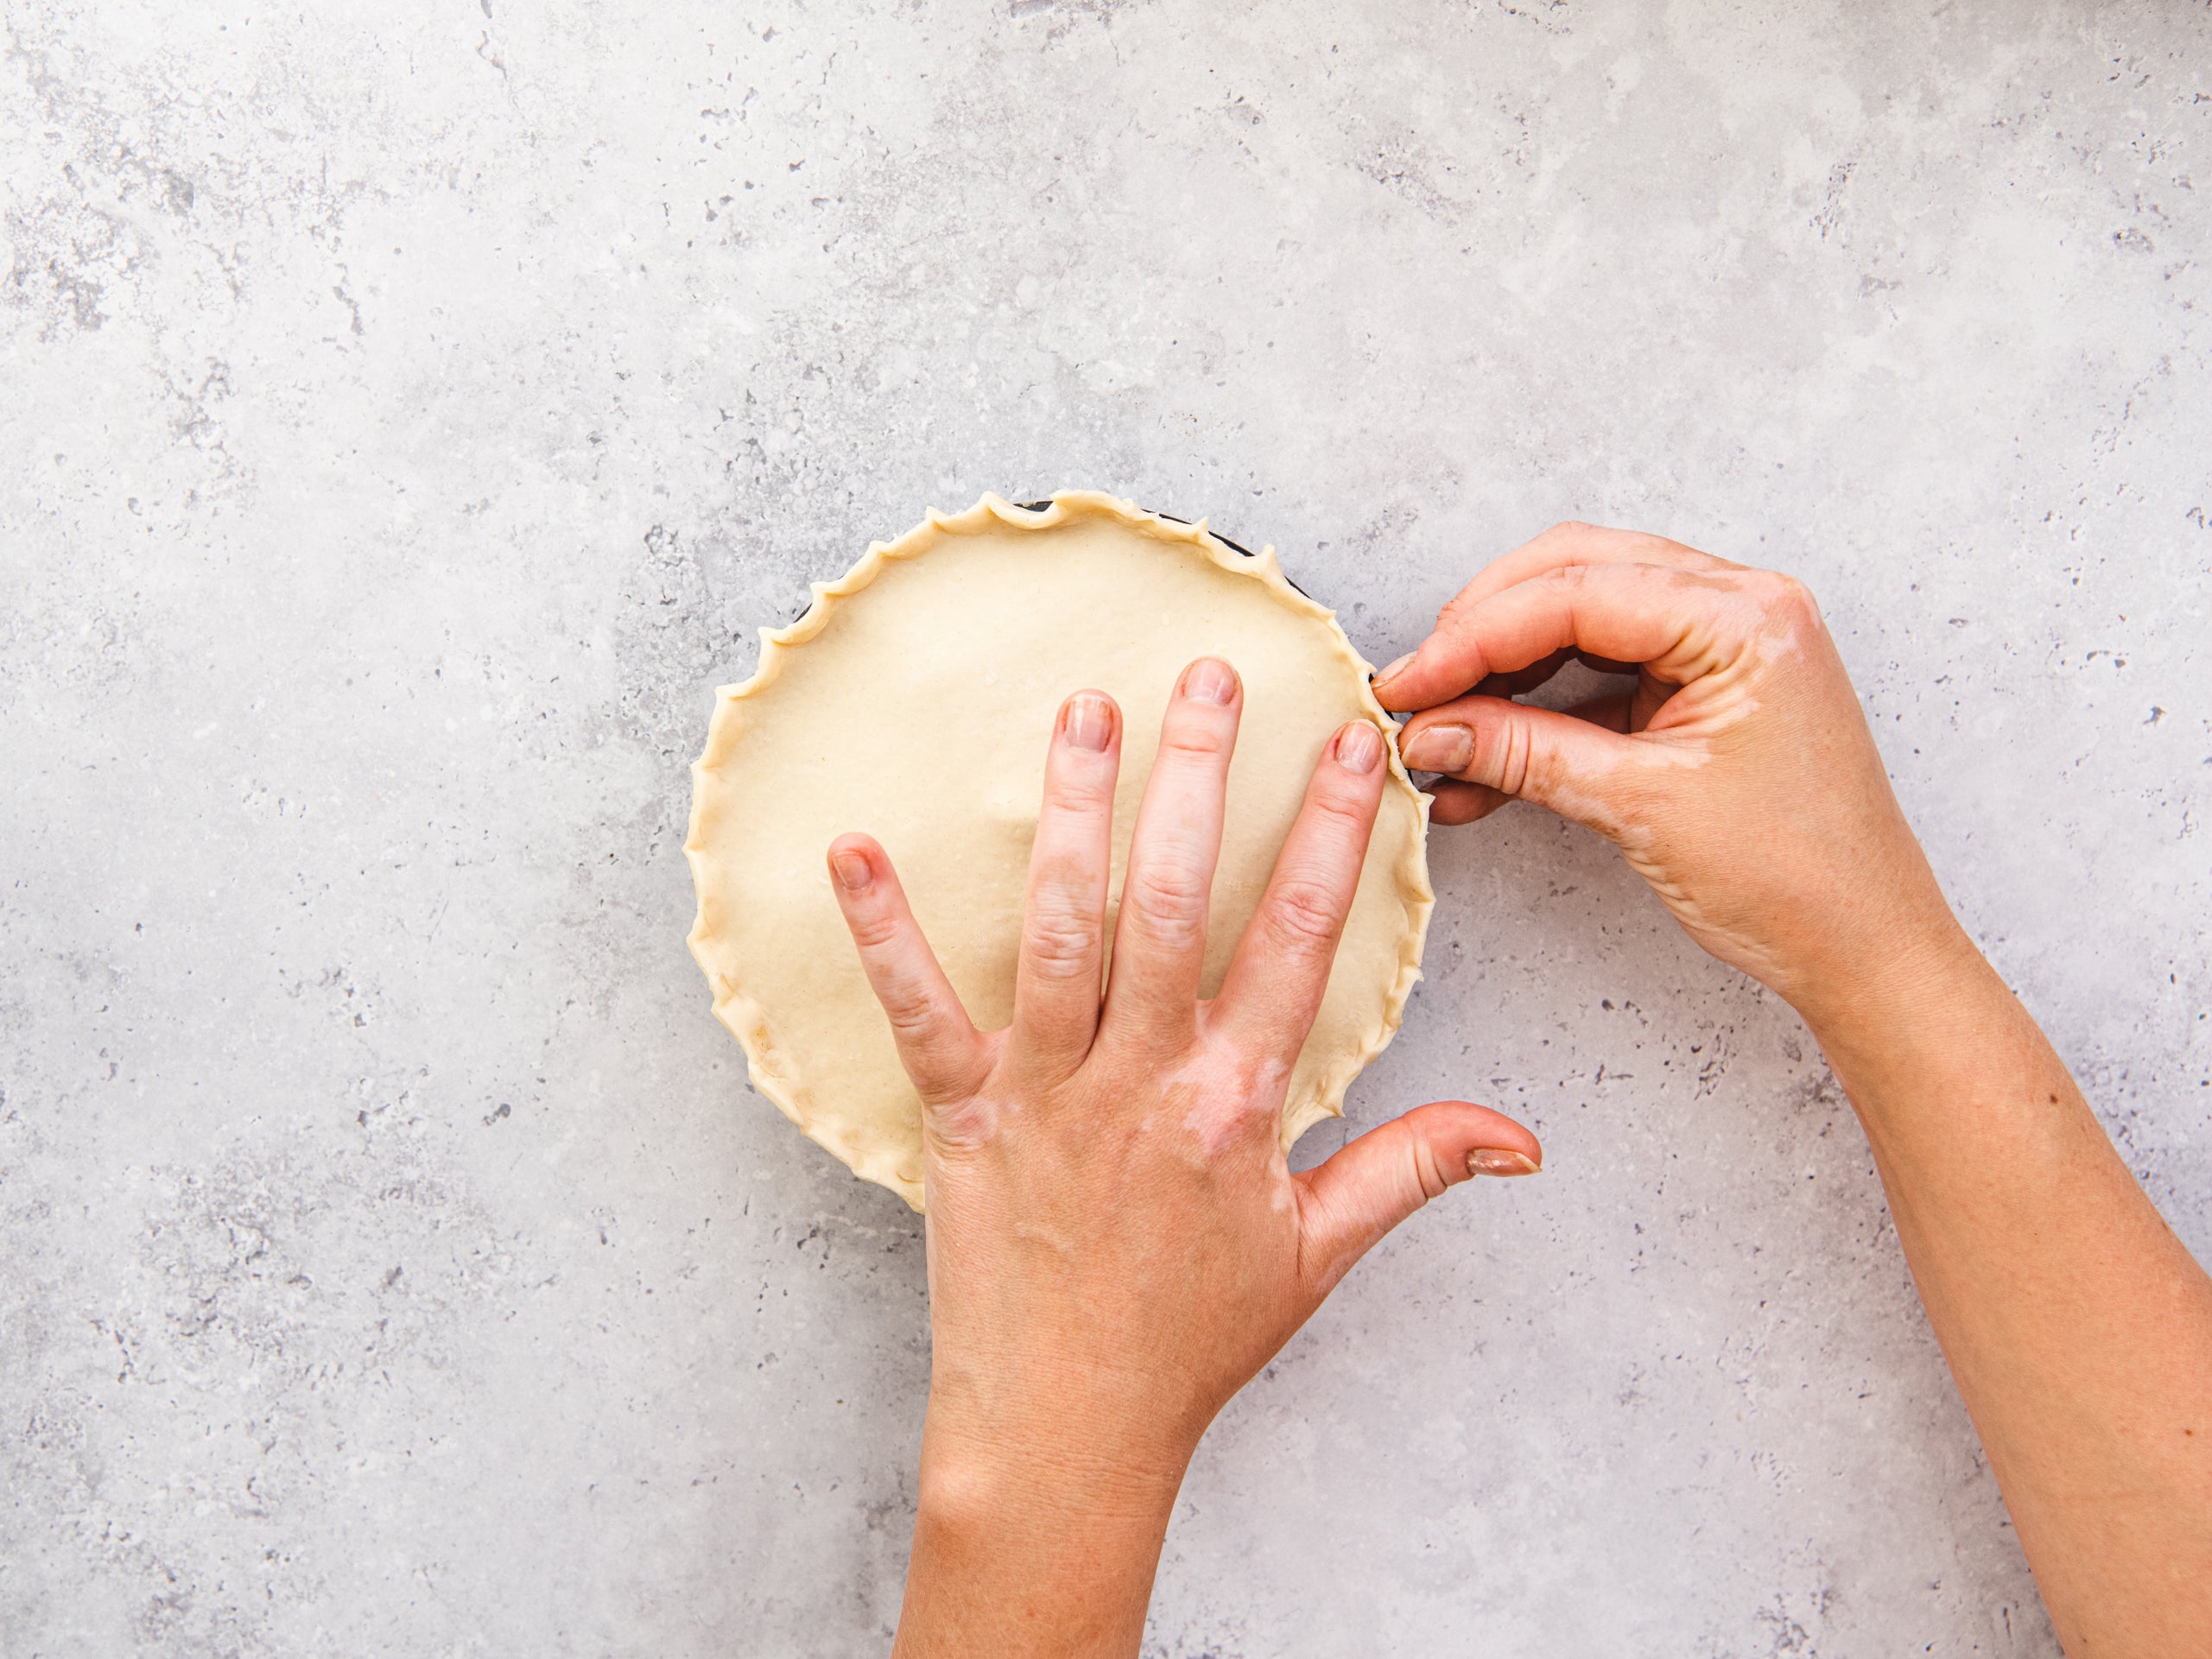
(410, 411)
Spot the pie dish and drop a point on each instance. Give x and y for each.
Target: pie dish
(914, 700)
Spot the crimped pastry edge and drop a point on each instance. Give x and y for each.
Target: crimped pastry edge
(743, 1015)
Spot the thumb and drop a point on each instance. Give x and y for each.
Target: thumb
(1568, 763)
(1370, 1185)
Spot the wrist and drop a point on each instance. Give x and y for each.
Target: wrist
(1916, 1041)
(1033, 1470)
(1901, 980)
(1031, 1543)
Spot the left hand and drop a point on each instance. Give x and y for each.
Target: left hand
(1116, 1242)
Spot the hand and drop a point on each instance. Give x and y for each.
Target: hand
(1116, 1244)
(1739, 779)
(1738, 776)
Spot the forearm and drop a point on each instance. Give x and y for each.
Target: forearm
(1018, 1552)
(2078, 1329)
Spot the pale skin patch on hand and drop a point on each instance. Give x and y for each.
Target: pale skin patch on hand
(1222, 1096)
(1595, 812)
(1777, 644)
(1702, 651)
(961, 1125)
(1687, 733)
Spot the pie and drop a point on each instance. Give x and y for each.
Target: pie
(914, 700)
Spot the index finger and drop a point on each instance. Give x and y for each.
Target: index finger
(1573, 543)
(1677, 622)
(1275, 981)
(1563, 547)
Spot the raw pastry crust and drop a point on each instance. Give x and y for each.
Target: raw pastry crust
(914, 698)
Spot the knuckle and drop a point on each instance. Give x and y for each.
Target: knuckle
(1340, 810)
(958, 1124)
(1060, 942)
(909, 1016)
(1794, 599)
(1167, 900)
(1507, 758)
(913, 1016)
(1076, 794)
(1188, 741)
(1781, 605)
(1303, 916)
(909, 1008)
(875, 931)
(1422, 1160)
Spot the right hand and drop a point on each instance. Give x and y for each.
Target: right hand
(1739, 778)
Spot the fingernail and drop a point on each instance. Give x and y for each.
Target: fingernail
(1440, 749)
(1390, 672)
(1358, 746)
(1497, 1161)
(1089, 723)
(854, 874)
(1210, 680)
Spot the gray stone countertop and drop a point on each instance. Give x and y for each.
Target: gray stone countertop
(411, 410)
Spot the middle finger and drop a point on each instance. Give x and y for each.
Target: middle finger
(1159, 942)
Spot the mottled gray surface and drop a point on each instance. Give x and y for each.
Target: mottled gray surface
(411, 410)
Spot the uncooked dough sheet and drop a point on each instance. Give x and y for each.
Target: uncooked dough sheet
(914, 700)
